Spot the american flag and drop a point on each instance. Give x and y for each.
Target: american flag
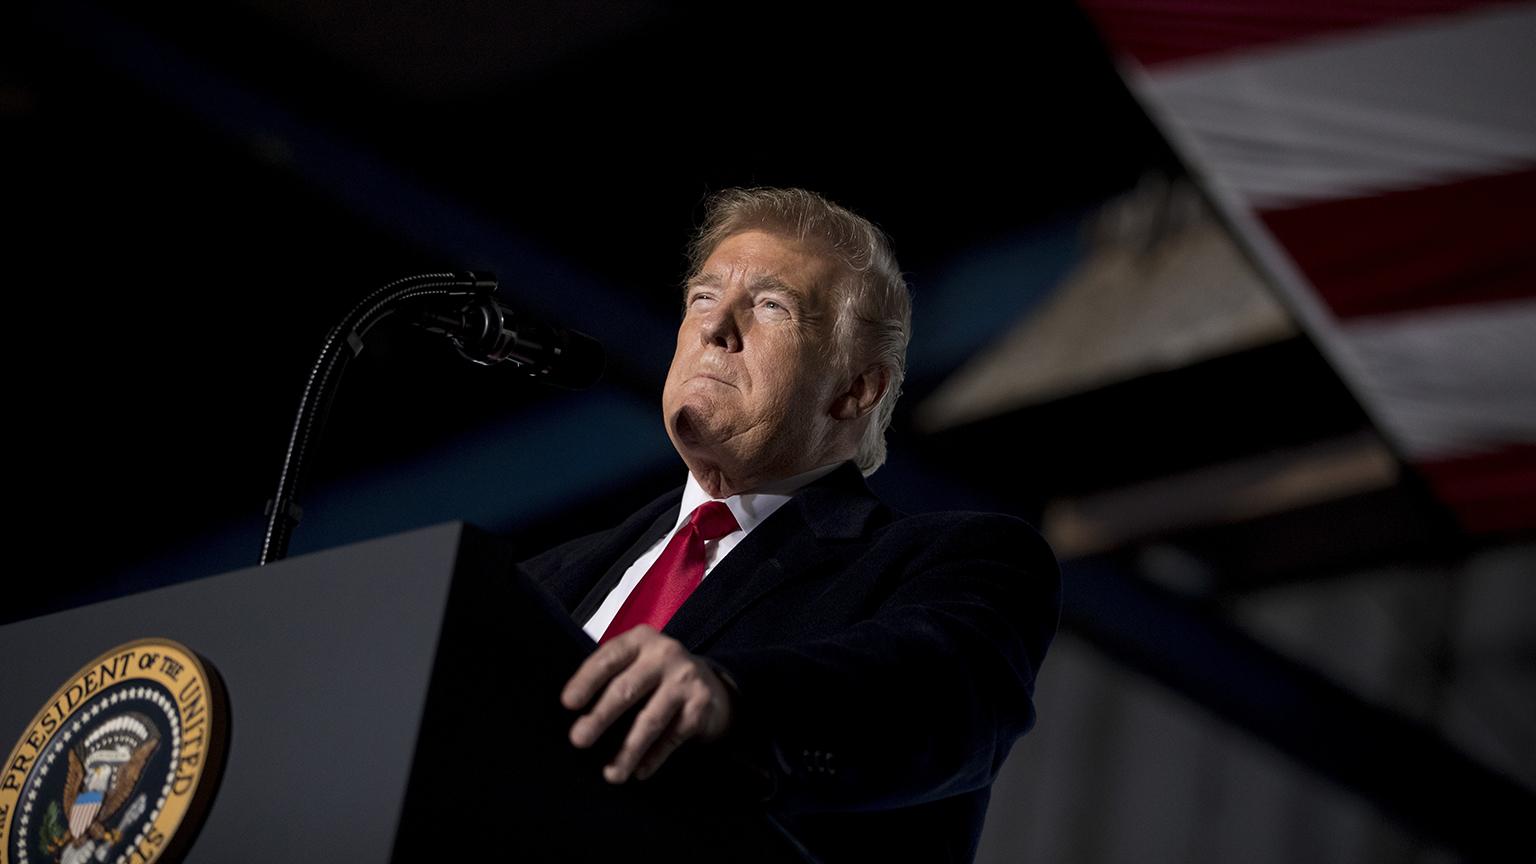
(1379, 161)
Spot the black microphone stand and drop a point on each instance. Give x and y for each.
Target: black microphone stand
(344, 341)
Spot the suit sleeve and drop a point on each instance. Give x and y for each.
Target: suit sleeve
(918, 701)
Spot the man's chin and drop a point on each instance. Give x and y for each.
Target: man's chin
(702, 432)
(690, 427)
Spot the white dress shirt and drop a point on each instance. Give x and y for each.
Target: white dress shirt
(749, 508)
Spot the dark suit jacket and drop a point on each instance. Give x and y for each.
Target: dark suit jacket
(885, 663)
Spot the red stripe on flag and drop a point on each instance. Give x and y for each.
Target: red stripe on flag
(1472, 241)
(1163, 31)
(1491, 493)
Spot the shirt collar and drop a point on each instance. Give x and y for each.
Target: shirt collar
(751, 508)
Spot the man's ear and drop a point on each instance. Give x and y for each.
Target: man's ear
(863, 393)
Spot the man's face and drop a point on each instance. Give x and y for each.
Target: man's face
(751, 381)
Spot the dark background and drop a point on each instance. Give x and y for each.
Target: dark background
(204, 192)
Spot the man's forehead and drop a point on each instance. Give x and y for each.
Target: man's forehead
(770, 261)
(760, 281)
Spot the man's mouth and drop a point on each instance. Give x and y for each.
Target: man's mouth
(705, 376)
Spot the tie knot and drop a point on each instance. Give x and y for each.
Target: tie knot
(713, 520)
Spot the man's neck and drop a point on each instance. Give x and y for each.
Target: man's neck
(777, 486)
(721, 482)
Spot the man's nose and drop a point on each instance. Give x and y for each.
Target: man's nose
(721, 329)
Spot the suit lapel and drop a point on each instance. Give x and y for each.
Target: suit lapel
(835, 509)
(572, 576)
(610, 577)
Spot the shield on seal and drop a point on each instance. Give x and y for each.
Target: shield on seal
(84, 812)
(99, 785)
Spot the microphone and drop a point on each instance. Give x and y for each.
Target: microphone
(486, 332)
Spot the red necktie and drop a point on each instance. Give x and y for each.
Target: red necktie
(675, 574)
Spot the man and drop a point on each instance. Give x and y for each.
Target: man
(874, 667)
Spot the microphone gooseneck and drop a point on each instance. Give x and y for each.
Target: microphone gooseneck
(459, 306)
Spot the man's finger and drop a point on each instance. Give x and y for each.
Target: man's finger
(651, 724)
(664, 747)
(630, 687)
(686, 724)
(599, 668)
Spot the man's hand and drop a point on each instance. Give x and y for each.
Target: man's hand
(686, 700)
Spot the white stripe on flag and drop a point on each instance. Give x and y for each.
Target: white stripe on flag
(1346, 115)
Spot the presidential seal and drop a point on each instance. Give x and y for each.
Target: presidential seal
(120, 765)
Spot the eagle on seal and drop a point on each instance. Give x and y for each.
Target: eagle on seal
(103, 772)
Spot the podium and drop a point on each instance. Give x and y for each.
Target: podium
(397, 700)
